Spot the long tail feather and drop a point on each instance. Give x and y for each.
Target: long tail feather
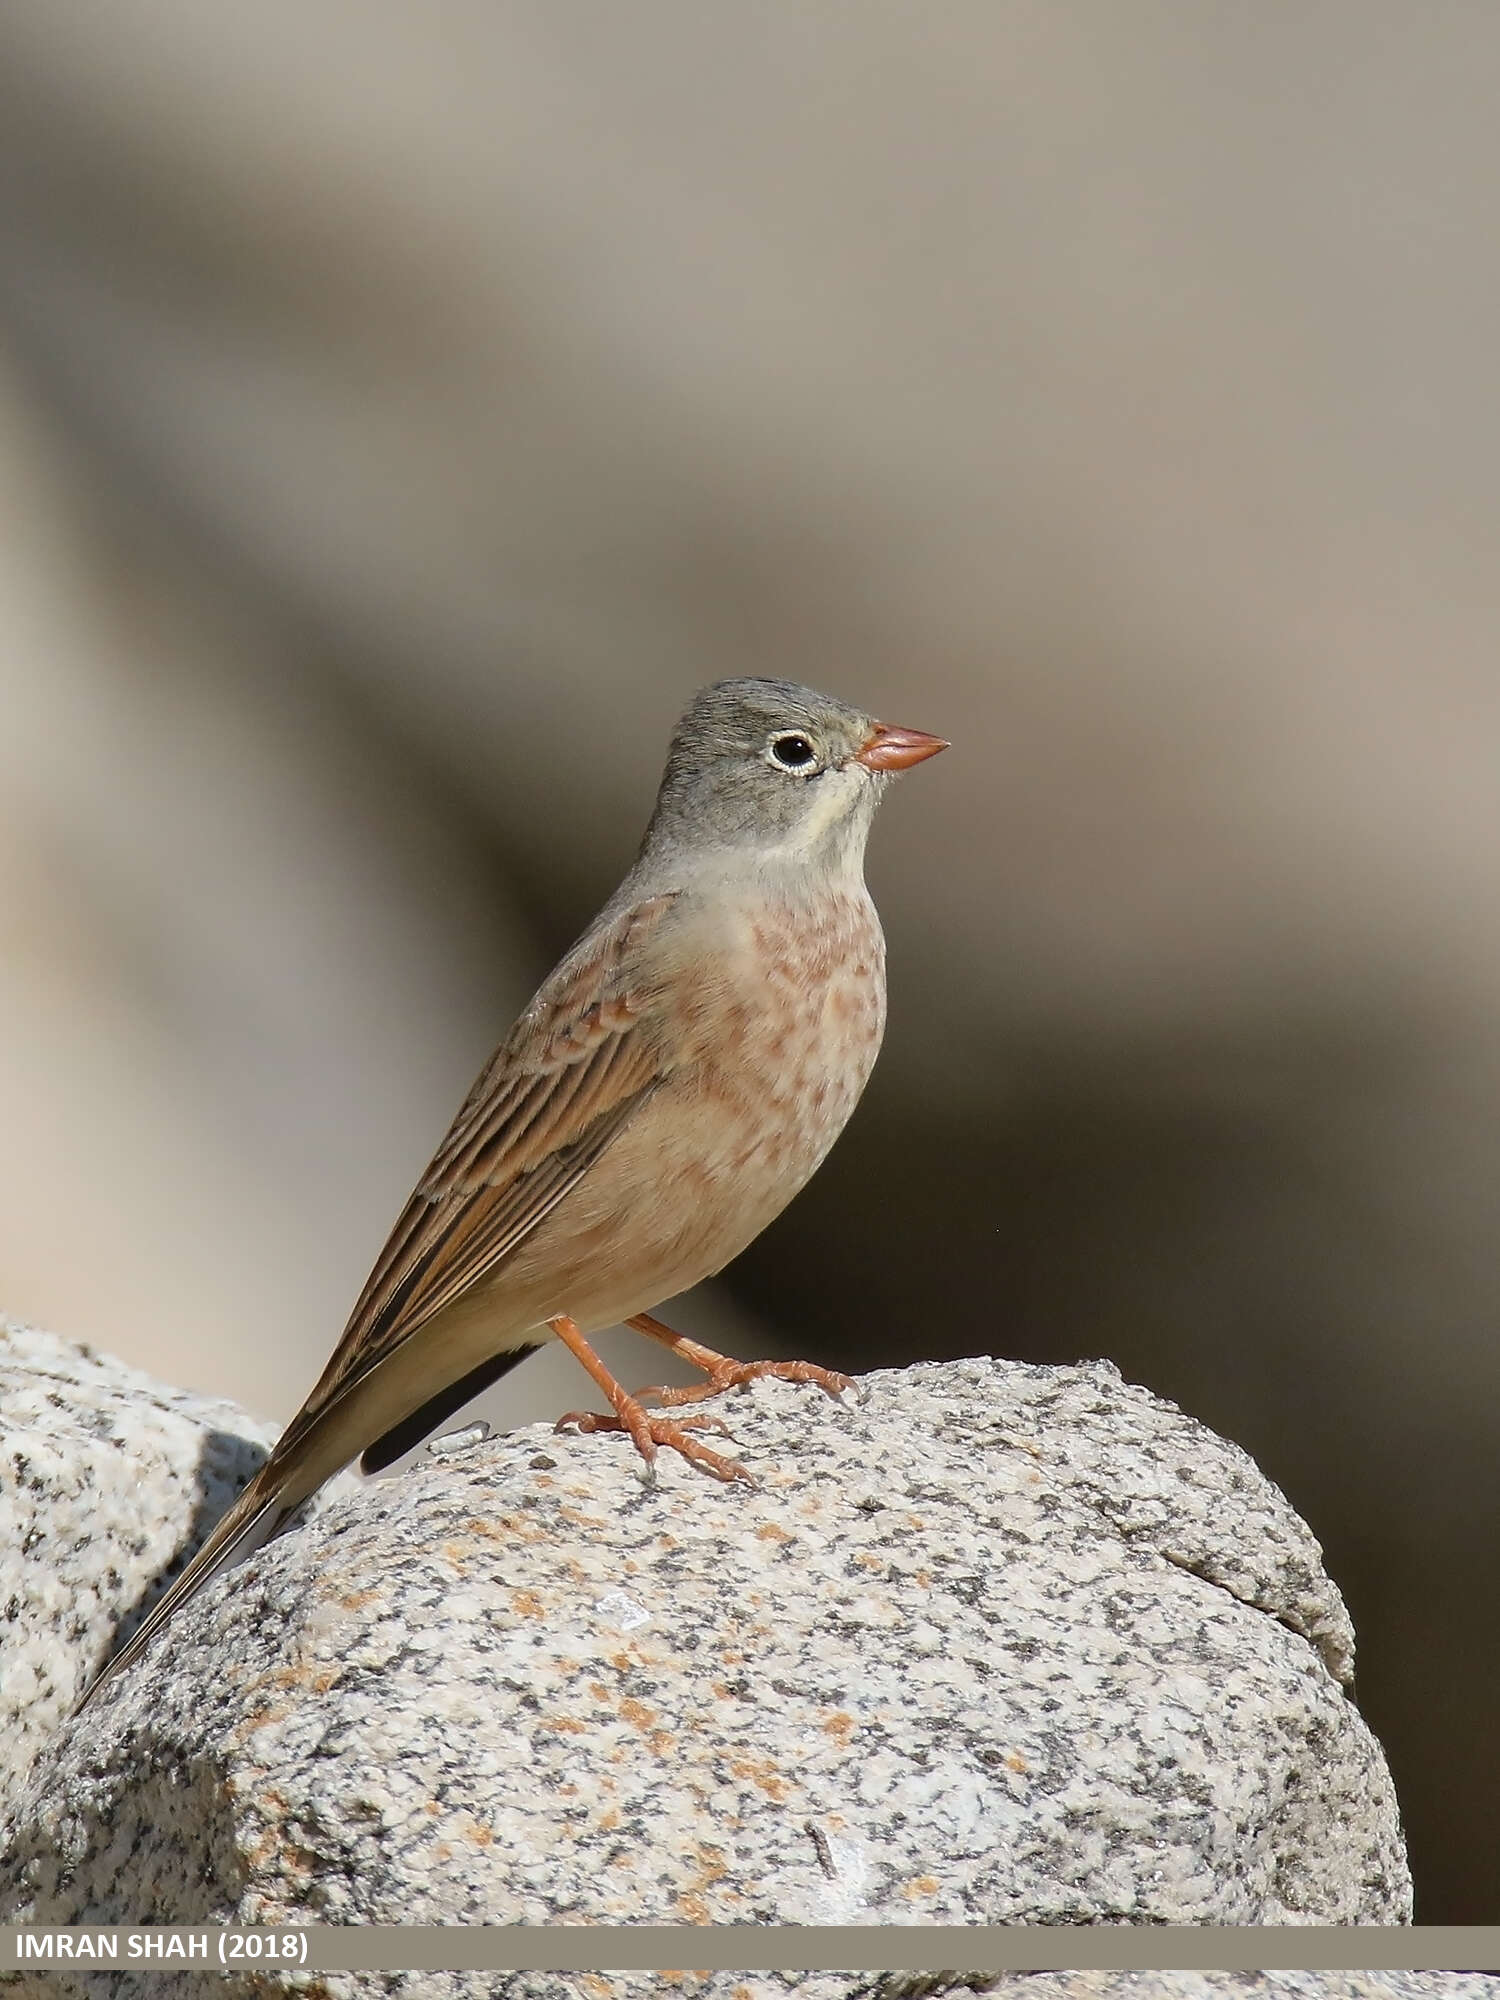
(250, 1523)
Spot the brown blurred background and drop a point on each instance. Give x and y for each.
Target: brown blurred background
(401, 410)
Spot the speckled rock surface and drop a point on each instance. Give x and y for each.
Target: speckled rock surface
(84, 1985)
(1000, 1645)
(1181, 1986)
(1139, 1986)
(108, 1481)
(905, 1985)
(1234, 1986)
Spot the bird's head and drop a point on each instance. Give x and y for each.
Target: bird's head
(780, 772)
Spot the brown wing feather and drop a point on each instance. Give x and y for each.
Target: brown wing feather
(577, 1064)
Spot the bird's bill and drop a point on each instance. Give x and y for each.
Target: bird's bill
(892, 748)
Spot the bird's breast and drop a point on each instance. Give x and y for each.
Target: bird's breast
(770, 1033)
(781, 1023)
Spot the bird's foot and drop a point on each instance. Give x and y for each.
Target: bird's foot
(727, 1374)
(724, 1373)
(648, 1433)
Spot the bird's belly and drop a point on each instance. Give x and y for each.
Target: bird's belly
(726, 1140)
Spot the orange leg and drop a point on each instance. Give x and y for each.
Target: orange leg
(725, 1374)
(646, 1432)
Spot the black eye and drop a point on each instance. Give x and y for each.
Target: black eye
(793, 752)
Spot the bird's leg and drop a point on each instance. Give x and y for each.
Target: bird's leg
(724, 1373)
(646, 1432)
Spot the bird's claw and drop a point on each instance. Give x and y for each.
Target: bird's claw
(649, 1433)
(739, 1374)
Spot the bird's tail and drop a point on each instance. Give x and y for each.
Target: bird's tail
(324, 1435)
(261, 1511)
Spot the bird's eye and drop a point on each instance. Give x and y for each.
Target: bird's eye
(792, 752)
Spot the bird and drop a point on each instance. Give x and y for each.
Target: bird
(674, 1082)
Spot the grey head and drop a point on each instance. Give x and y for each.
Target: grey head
(776, 772)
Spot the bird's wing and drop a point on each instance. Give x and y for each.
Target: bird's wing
(580, 1060)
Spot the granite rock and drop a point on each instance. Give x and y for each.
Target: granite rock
(999, 1644)
(1161, 1986)
(84, 1984)
(1175, 1985)
(909, 1985)
(108, 1482)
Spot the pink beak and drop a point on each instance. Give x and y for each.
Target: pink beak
(894, 749)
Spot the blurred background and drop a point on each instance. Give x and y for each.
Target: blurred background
(402, 410)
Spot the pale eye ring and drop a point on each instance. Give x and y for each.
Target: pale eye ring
(791, 751)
